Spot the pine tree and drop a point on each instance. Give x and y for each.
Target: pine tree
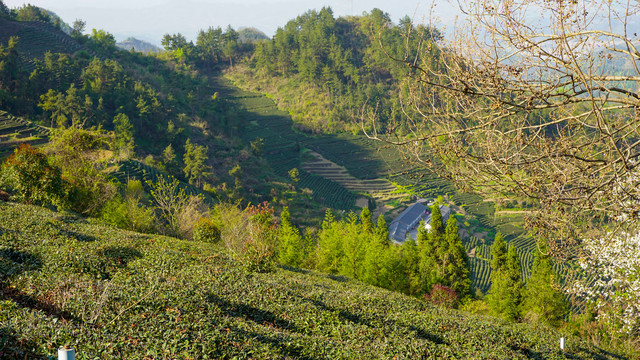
(456, 262)
(543, 301)
(498, 253)
(505, 296)
(411, 263)
(436, 220)
(428, 267)
(353, 248)
(329, 250)
(366, 222)
(375, 270)
(382, 232)
(290, 243)
(124, 134)
(396, 278)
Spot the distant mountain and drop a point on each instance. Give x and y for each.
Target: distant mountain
(138, 45)
(250, 34)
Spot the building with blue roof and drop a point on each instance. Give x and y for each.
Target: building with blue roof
(407, 222)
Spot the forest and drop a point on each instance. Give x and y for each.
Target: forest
(214, 142)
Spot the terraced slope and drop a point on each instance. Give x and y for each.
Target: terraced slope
(115, 294)
(15, 131)
(36, 38)
(282, 145)
(136, 170)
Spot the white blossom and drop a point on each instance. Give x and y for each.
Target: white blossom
(612, 279)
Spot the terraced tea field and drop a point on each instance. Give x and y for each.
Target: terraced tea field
(136, 170)
(15, 131)
(35, 38)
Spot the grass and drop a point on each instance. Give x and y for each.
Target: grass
(119, 294)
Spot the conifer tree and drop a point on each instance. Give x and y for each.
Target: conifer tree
(498, 253)
(456, 262)
(353, 247)
(396, 278)
(290, 243)
(505, 296)
(382, 231)
(436, 220)
(329, 250)
(366, 222)
(428, 262)
(411, 263)
(543, 301)
(375, 270)
(124, 134)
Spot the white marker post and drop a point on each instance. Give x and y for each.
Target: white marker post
(562, 343)
(66, 353)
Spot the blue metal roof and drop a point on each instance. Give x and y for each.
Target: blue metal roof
(409, 217)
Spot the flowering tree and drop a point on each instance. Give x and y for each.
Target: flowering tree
(612, 280)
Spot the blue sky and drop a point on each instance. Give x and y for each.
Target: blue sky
(150, 19)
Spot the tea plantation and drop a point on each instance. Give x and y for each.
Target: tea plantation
(115, 294)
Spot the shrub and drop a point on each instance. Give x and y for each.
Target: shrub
(442, 296)
(29, 176)
(178, 210)
(250, 236)
(206, 230)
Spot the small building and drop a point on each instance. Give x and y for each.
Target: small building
(407, 222)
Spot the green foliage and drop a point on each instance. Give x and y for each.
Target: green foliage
(178, 211)
(128, 212)
(498, 253)
(78, 153)
(291, 247)
(30, 12)
(543, 299)
(195, 160)
(505, 295)
(138, 295)
(29, 176)
(456, 264)
(382, 231)
(437, 228)
(206, 230)
(338, 61)
(123, 129)
(250, 236)
(294, 175)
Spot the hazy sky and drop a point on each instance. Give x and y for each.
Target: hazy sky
(150, 19)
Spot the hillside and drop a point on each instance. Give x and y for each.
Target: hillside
(118, 294)
(37, 38)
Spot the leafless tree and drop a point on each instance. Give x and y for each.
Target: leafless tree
(534, 98)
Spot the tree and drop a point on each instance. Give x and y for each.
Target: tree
(611, 280)
(365, 222)
(178, 210)
(539, 109)
(4, 10)
(382, 231)
(543, 299)
(505, 295)
(294, 175)
(28, 174)
(498, 253)
(124, 134)
(76, 152)
(329, 250)
(291, 247)
(195, 163)
(456, 263)
(78, 28)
